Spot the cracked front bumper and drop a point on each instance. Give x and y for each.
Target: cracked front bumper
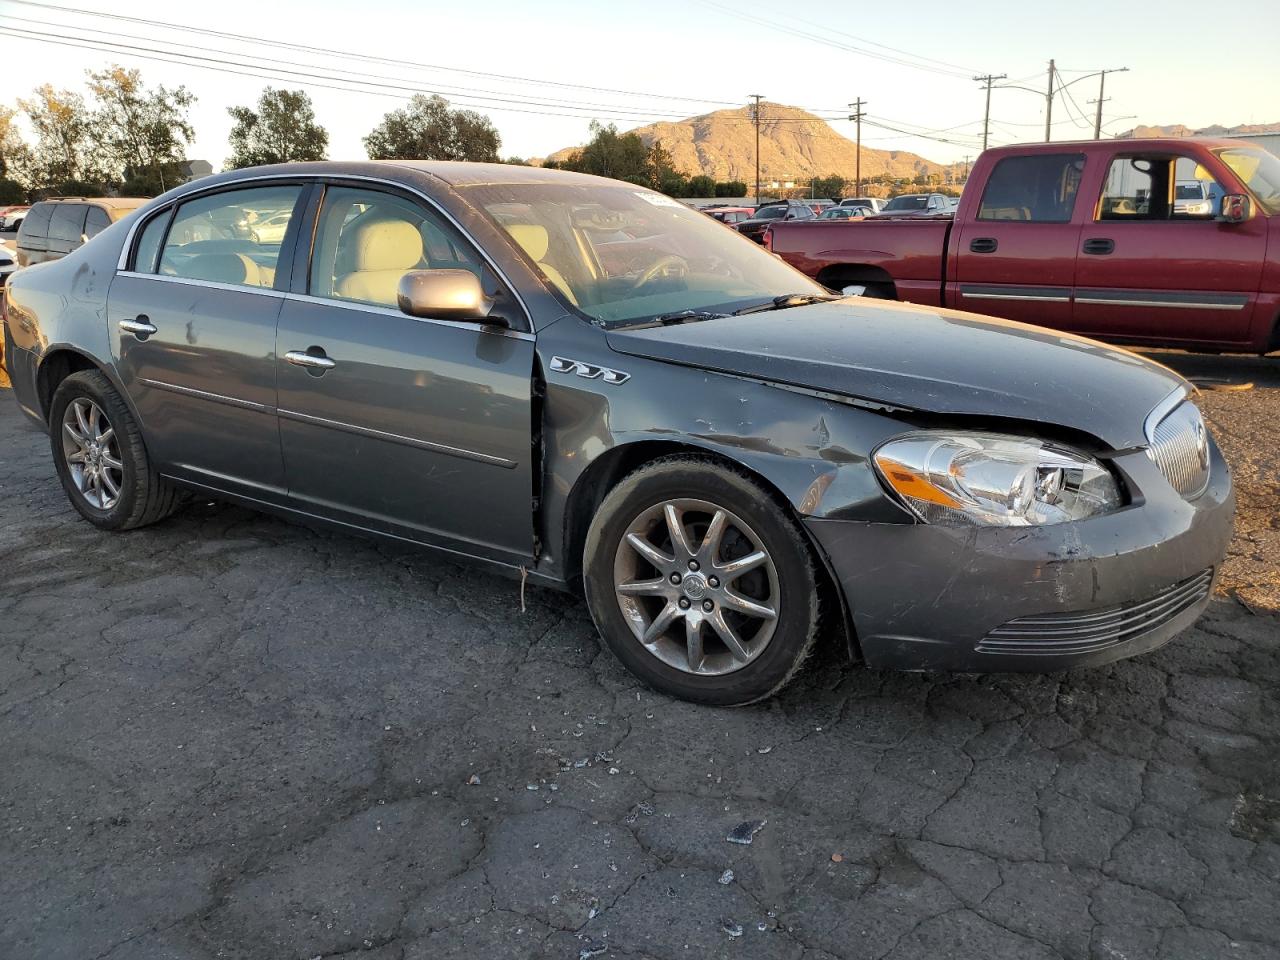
(939, 597)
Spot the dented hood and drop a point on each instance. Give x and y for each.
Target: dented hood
(925, 359)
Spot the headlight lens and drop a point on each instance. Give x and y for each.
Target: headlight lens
(994, 480)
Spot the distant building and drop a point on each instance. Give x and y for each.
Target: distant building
(1267, 141)
(195, 169)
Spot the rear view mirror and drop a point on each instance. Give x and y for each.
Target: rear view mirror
(444, 295)
(1236, 208)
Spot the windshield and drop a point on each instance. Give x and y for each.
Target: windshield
(906, 203)
(1260, 172)
(770, 213)
(623, 254)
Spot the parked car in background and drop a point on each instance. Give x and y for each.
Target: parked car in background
(1088, 237)
(53, 228)
(770, 213)
(721, 454)
(844, 213)
(818, 205)
(916, 205)
(874, 204)
(1191, 198)
(8, 264)
(11, 217)
(730, 215)
(953, 204)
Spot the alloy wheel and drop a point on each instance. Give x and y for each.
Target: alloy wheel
(92, 453)
(697, 587)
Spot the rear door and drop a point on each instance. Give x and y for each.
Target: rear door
(409, 425)
(1015, 258)
(194, 321)
(1149, 272)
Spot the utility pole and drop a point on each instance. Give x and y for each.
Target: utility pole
(856, 117)
(986, 117)
(1048, 108)
(966, 164)
(755, 116)
(1102, 88)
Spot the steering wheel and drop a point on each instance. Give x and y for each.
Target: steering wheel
(660, 266)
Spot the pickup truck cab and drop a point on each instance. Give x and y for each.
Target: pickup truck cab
(1087, 237)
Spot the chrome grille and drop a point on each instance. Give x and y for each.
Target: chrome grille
(1179, 446)
(1064, 633)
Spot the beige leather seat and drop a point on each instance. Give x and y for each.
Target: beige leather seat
(382, 252)
(534, 241)
(226, 268)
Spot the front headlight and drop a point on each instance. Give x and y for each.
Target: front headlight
(994, 480)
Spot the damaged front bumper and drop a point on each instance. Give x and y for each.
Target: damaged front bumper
(943, 597)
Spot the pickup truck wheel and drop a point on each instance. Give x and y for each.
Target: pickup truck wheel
(100, 457)
(700, 583)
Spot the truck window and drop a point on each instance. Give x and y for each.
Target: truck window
(1158, 188)
(1040, 188)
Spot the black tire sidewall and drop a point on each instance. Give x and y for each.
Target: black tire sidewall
(94, 386)
(689, 477)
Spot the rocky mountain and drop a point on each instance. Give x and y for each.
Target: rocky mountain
(794, 145)
(1214, 130)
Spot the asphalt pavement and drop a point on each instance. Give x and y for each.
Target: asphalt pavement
(229, 737)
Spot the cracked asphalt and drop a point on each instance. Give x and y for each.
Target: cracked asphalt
(225, 736)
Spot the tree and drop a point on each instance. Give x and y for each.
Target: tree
(64, 148)
(15, 155)
(829, 186)
(142, 134)
(426, 129)
(702, 186)
(622, 156)
(283, 128)
(731, 188)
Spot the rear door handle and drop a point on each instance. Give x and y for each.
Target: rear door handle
(984, 245)
(1099, 246)
(317, 361)
(142, 327)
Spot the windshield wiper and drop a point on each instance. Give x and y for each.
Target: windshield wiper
(680, 316)
(788, 300)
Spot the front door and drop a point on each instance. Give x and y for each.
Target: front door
(1156, 266)
(193, 323)
(1016, 258)
(413, 426)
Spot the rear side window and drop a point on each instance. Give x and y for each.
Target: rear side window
(1036, 189)
(225, 237)
(67, 223)
(95, 221)
(36, 222)
(148, 249)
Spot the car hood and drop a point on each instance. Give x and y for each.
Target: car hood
(925, 359)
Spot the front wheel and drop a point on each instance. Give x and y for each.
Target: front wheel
(700, 583)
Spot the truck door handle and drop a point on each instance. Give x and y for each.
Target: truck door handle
(1099, 246)
(313, 357)
(141, 327)
(984, 245)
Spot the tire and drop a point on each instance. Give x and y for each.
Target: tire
(141, 496)
(769, 651)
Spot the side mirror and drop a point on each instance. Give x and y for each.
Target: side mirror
(444, 295)
(1236, 208)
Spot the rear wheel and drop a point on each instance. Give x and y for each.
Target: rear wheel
(700, 583)
(101, 459)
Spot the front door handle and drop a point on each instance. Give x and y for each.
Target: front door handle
(1099, 246)
(313, 358)
(141, 327)
(984, 245)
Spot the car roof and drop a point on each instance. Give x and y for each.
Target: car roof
(109, 203)
(1128, 143)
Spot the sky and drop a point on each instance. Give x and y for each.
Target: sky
(542, 71)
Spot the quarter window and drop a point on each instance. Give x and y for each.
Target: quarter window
(144, 258)
(217, 238)
(67, 223)
(1040, 188)
(368, 240)
(1158, 188)
(95, 221)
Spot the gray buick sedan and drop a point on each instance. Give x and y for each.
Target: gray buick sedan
(583, 382)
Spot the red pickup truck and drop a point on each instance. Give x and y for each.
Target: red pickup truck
(1085, 237)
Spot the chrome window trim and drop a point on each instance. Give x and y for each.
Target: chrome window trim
(1162, 410)
(393, 312)
(212, 284)
(322, 178)
(358, 430)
